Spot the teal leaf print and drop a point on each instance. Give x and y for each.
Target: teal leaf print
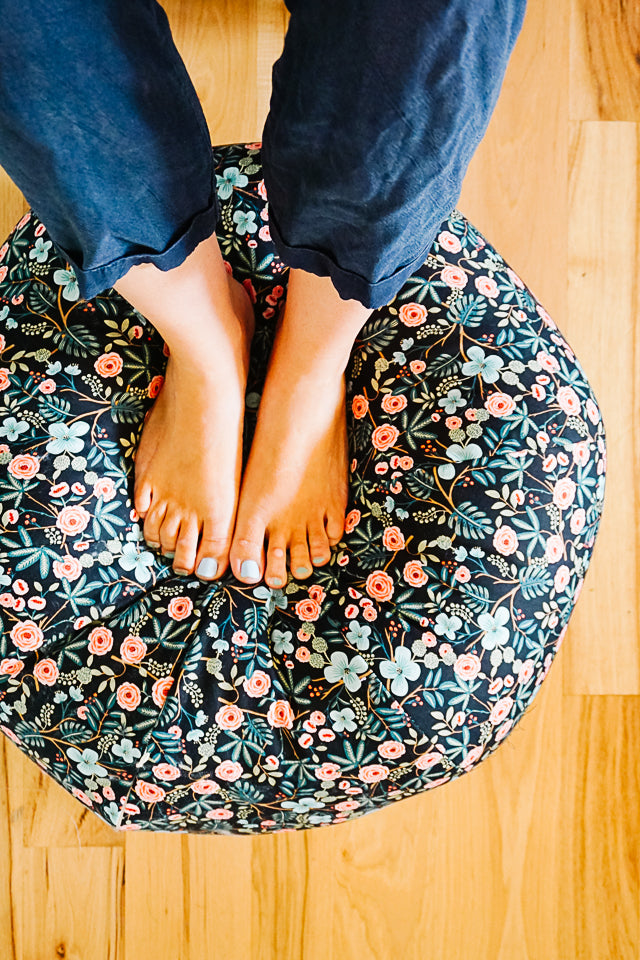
(51, 407)
(423, 288)
(443, 365)
(24, 536)
(30, 735)
(106, 518)
(73, 731)
(419, 428)
(76, 340)
(79, 594)
(470, 521)
(373, 557)
(126, 408)
(41, 298)
(377, 333)
(362, 430)
(192, 659)
(255, 619)
(420, 483)
(468, 311)
(534, 581)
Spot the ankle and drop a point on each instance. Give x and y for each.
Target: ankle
(196, 307)
(200, 277)
(317, 324)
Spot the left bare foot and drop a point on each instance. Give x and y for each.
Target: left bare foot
(295, 488)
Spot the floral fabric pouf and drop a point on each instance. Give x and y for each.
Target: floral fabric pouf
(477, 478)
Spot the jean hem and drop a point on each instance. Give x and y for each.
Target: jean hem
(350, 285)
(96, 280)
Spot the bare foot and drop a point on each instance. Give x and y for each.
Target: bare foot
(189, 459)
(294, 491)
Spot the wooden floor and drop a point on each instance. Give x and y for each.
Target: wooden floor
(534, 855)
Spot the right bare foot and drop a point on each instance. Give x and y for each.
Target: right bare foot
(189, 460)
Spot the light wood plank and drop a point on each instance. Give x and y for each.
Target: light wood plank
(154, 907)
(273, 19)
(603, 655)
(71, 904)
(218, 43)
(597, 885)
(49, 810)
(223, 886)
(605, 60)
(12, 205)
(515, 190)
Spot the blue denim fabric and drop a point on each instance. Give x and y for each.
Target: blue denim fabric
(375, 113)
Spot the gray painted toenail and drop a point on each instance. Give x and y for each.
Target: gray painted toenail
(154, 546)
(300, 571)
(250, 570)
(181, 573)
(276, 581)
(169, 556)
(318, 559)
(208, 567)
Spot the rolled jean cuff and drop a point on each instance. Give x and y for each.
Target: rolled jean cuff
(350, 285)
(95, 280)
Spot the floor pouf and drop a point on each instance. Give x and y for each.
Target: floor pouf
(476, 489)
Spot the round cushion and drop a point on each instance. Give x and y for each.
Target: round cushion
(477, 475)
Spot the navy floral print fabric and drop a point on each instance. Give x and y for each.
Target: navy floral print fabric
(477, 478)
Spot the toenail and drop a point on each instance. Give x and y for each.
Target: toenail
(181, 573)
(154, 546)
(169, 556)
(207, 568)
(276, 581)
(318, 559)
(300, 571)
(250, 570)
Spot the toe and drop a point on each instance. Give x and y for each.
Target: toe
(186, 546)
(276, 573)
(153, 522)
(319, 548)
(169, 532)
(247, 552)
(335, 526)
(213, 553)
(142, 498)
(299, 554)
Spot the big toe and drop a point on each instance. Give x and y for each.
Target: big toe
(213, 552)
(247, 551)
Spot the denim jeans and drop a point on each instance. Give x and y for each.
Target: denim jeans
(375, 113)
